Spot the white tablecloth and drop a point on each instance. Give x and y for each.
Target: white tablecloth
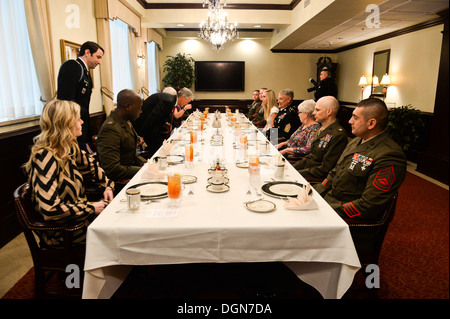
(218, 228)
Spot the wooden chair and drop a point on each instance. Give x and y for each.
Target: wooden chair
(48, 260)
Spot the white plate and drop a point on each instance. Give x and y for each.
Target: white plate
(188, 179)
(225, 188)
(261, 206)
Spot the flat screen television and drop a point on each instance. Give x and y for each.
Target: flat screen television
(219, 75)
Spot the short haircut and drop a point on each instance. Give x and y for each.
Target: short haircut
(377, 109)
(91, 46)
(330, 102)
(288, 92)
(307, 106)
(126, 97)
(186, 92)
(170, 90)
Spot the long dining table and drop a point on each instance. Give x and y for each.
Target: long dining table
(217, 226)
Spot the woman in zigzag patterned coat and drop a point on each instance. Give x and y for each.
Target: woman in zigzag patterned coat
(57, 169)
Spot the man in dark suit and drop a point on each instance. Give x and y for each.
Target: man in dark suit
(156, 115)
(327, 86)
(75, 84)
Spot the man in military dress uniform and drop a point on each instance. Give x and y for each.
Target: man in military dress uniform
(75, 84)
(327, 145)
(287, 121)
(369, 171)
(117, 140)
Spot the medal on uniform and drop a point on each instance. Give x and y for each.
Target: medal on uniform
(83, 91)
(354, 161)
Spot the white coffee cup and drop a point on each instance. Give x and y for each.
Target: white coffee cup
(133, 198)
(279, 170)
(162, 162)
(217, 186)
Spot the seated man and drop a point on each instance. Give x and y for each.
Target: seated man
(117, 140)
(154, 123)
(286, 122)
(255, 104)
(369, 171)
(327, 145)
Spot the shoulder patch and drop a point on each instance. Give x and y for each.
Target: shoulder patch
(384, 179)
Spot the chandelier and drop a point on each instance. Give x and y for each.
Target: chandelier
(216, 29)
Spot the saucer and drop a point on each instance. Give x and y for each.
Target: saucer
(225, 188)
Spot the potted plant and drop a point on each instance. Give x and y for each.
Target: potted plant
(179, 71)
(404, 125)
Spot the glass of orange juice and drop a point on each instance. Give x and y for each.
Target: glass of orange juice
(253, 160)
(189, 155)
(174, 188)
(200, 125)
(193, 137)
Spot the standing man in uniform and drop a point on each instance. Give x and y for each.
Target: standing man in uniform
(287, 120)
(327, 145)
(327, 86)
(369, 171)
(75, 84)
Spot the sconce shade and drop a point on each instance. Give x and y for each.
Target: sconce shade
(385, 80)
(375, 81)
(363, 81)
(140, 60)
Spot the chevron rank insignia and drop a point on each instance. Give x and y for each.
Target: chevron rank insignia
(384, 179)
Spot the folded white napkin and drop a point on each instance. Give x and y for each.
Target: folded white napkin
(152, 171)
(166, 148)
(303, 201)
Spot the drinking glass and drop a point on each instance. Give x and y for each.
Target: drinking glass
(174, 189)
(193, 137)
(254, 177)
(189, 155)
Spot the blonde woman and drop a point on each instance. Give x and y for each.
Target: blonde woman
(57, 169)
(271, 109)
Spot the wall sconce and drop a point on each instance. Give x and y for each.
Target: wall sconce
(374, 83)
(140, 60)
(386, 81)
(362, 84)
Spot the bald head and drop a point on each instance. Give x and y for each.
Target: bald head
(330, 103)
(126, 97)
(129, 105)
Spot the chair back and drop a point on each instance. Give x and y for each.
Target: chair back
(46, 258)
(369, 237)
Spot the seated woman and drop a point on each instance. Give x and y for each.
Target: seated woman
(270, 107)
(57, 170)
(300, 141)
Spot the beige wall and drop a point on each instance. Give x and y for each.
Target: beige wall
(413, 69)
(262, 67)
(87, 31)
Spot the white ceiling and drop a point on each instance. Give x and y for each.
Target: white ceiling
(311, 25)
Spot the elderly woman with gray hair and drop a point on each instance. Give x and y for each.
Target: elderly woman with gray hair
(300, 141)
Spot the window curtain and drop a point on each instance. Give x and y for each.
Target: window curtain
(19, 88)
(153, 68)
(38, 21)
(104, 39)
(120, 54)
(132, 42)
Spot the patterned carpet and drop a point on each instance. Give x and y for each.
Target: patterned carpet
(414, 263)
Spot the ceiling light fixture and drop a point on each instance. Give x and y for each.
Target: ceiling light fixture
(217, 30)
